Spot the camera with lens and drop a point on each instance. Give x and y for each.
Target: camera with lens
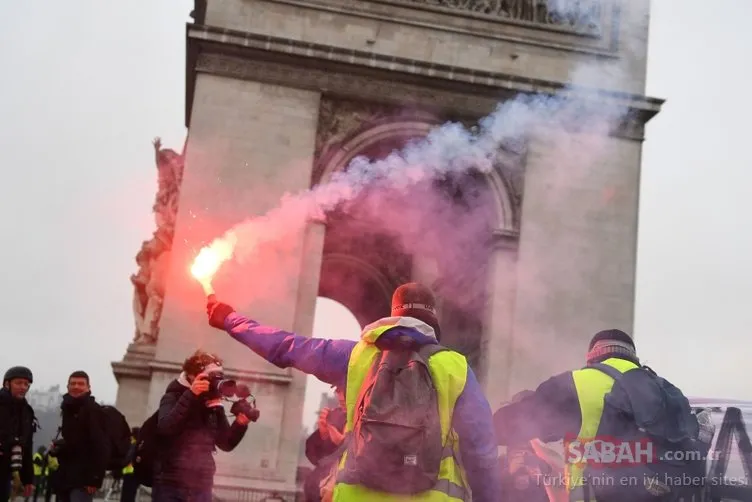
(219, 386)
(238, 394)
(16, 456)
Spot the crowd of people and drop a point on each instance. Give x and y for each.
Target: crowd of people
(411, 423)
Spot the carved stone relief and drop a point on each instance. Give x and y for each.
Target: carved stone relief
(340, 119)
(576, 15)
(153, 258)
(511, 166)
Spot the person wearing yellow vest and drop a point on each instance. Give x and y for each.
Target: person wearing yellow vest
(130, 484)
(51, 473)
(569, 406)
(40, 474)
(465, 415)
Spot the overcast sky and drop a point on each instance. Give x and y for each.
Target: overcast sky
(86, 85)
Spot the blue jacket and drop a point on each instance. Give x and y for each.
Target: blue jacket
(327, 360)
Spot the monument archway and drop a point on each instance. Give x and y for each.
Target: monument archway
(280, 95)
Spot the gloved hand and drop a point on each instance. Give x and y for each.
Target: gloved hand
(217, 312)
(243, 407)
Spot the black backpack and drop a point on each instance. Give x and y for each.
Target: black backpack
(118, 433)
(147, 448)
(643, 408)
(396, 442)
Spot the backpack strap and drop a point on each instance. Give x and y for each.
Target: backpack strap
(427, 351)
(608, 370)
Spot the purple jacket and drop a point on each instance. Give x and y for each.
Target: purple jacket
(327, 360)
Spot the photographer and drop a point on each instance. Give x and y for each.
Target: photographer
(17, 427)
(523, 476)
(192, 423)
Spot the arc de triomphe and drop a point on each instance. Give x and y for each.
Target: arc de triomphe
(282, 94)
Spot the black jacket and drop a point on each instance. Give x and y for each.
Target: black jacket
(84, 452)
(189, 432)
(551, 413)
(17, 425)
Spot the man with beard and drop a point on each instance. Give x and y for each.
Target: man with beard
(82, 453)
(17, 427)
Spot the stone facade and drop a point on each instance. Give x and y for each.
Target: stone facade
(281, 94)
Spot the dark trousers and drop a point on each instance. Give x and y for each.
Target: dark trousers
(49, 490)
(5, 486)
(40, 484)
(129, 488)
(172, 493)
(76, 495)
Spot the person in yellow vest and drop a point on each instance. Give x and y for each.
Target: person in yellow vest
(608, 430)
(130, 484)
(40, 476)
(51, 473)
(465, 415)
(568, 405)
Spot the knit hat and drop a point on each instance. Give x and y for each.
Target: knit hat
(611, 343)
(416, 301)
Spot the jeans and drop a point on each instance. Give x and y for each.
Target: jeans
(76, 495)
(173, 493)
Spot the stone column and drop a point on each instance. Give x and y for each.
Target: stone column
(498, 337)
(249, 145)
(577, 250)
(308, 289)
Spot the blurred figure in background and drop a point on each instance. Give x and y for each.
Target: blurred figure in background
(522, 472)
(322, 446)
(523, 476)
(51, 465)
(40, 472)
(130, 483)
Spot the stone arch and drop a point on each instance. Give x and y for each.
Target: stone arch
(363, 280)
(405, 129)
(357, 284)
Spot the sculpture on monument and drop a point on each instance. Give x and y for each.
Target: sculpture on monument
(153, 258)
(580, 15)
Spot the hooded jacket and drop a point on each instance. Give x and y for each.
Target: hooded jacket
(189, 432)
(17, 423)
(328, 360)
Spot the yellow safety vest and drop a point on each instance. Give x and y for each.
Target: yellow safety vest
(449, 372)
(38, 467)
(591, 386)
(52, 463)
(128, 469)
